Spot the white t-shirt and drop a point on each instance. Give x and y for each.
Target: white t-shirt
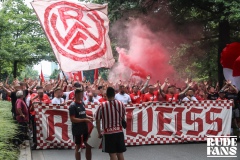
(125, 98)
(28, 100)
(192, 99)
(56, 100)
(94, 101)
(97, 97)
(67, 94)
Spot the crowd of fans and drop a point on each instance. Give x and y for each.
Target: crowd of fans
(23, 94)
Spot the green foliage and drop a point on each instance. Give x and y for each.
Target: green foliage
(116, 8)
(54, 74)
(89, 75)
(7, 132)
(198, 57)
(104, 73)
(191, 60)
(28, 72)
(21, 38)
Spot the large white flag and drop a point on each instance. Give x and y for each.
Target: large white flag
(77, 32)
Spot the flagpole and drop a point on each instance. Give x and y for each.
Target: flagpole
(62, 73)
(64, 77)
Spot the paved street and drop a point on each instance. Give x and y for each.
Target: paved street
(190, 151)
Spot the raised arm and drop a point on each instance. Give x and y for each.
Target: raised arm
(145, 84)
(33, 86)
(56, 85)
(7, 90)
(166, 82)
(229, 83)
(189, 84)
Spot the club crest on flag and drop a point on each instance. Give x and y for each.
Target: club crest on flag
(78, 33)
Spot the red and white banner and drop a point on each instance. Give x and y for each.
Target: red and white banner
(156, 123)
(77, 32)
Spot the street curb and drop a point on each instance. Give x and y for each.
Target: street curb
(25, 154)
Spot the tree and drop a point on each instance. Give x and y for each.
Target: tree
(54, 74)
(217, 23)
(28, 72)
(219, 20)
(22, 41)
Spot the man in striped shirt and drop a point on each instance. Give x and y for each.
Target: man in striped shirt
(111, 113)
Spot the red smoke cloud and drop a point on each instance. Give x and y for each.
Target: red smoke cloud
(146, 55)
(127, 61)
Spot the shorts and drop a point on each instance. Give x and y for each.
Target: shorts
(235, 113)
(79, 139)
(113, 143)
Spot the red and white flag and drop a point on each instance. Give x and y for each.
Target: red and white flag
(42, 76)
(230, 60)
(78, 76)
(77, 32)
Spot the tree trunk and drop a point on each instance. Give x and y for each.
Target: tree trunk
(1, 72)
(224, 39)
(15, 69)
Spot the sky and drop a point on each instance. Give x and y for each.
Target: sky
(46, 67)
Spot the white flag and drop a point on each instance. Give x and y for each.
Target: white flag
(77, 32)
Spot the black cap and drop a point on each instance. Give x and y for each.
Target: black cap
(77, 85)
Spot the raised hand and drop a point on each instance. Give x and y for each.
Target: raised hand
(187, 81)
(120, 82)
(190, 83)
(205, 82)
(148, 77)
(228, 82)
(166, 80)
(84, 79)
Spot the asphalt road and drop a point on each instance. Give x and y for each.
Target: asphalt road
(187, 151)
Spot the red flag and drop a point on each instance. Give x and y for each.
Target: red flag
(230, 60)
(95, 74)
(77, 76)
(41, 76)
(80, 75)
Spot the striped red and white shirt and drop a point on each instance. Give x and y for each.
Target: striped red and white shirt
(111, 113)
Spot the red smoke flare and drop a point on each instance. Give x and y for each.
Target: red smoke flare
(146, 55)
(126, 60)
